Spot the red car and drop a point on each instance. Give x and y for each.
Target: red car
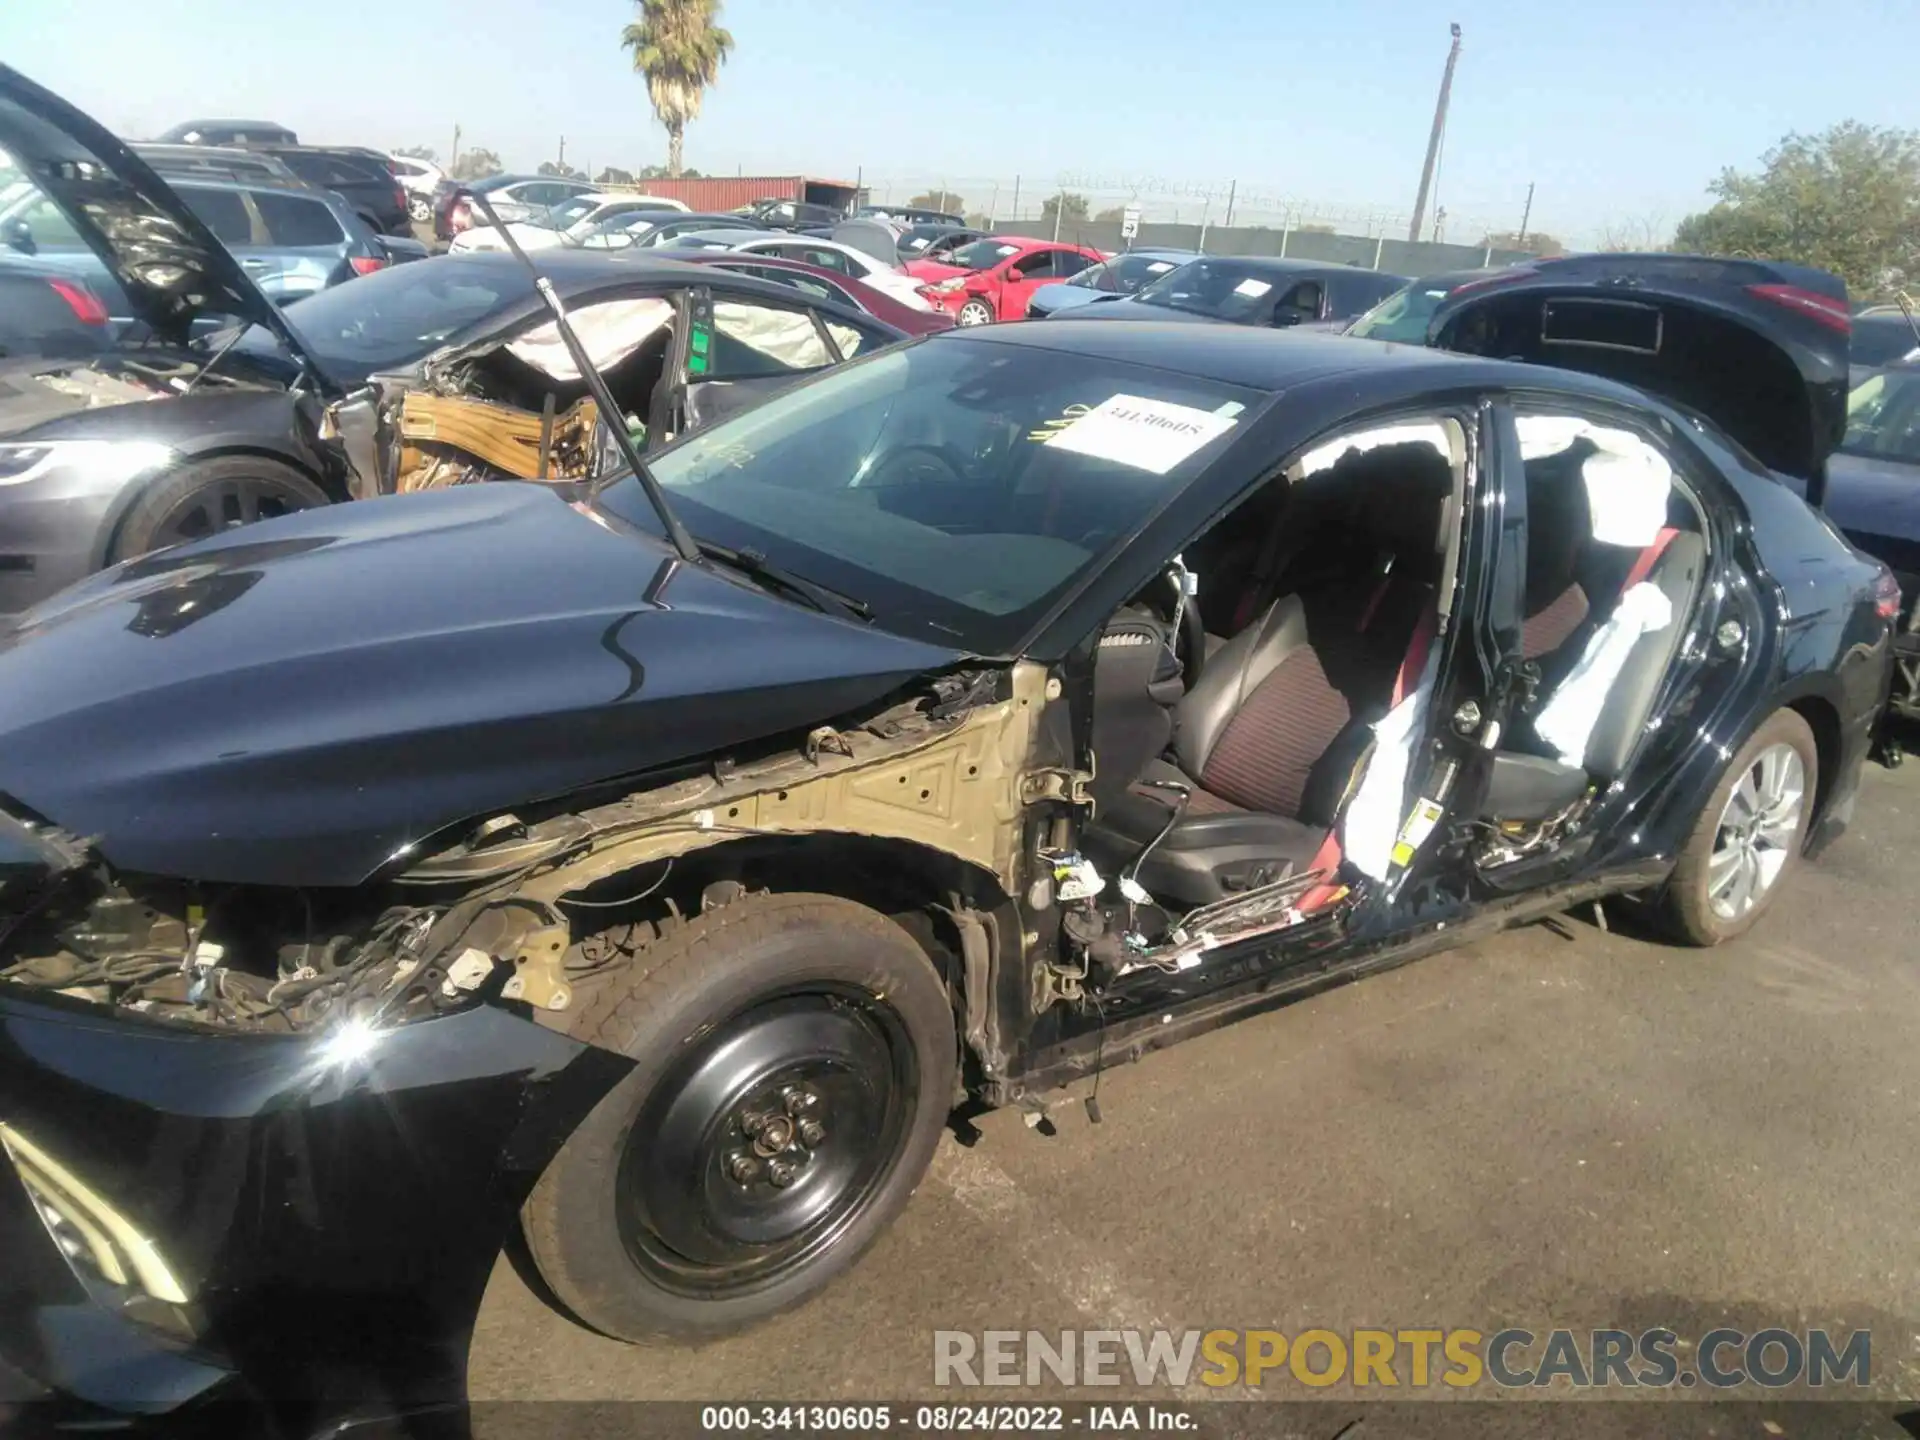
(992, 279)
(818, 281)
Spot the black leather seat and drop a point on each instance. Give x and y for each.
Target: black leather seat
(1267, 742)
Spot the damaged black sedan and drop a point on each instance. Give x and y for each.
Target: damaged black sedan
(656, 869)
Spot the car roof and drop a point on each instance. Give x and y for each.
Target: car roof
(1288, 265)
(1275, 361)
(574, 271)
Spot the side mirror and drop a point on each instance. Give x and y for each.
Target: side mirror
(1285, 317)
(1014, 277)
(19, 235)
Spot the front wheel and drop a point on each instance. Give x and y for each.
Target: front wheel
(419, 209)
(975, 312)
(1749, 836)
(206, 497)
(794, 1065)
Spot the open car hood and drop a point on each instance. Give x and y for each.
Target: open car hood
(169, 264)
(1760, 348)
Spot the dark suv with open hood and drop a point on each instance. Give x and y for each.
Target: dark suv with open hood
(414, 377)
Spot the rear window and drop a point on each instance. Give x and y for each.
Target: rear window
(221, 211)
(396, 316)
(293, 220)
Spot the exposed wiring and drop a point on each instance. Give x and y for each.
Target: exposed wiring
(630, 900)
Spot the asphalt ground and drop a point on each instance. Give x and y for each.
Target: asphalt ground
(1563, 1127)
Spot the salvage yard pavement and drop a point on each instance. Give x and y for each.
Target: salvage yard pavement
(1566, 1126)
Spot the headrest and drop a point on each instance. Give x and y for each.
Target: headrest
(1558, 523)
(1400, 496)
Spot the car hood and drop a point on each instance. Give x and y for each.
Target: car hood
(1759, 348)
(1052, 299)
(936, 270)
(299, 701)
(169, 264)
(1128, 308)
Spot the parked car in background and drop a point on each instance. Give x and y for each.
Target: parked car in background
(1883, 335)
(1873, 487)
(826, 254)
(568, 222)
(360, 176)
(652, 230)
(1250, 290)
(225, 162)
(792, 214)
(513, 197)
(993, 279)
(1403, 315)
(47, 312)
(419, 178)
(290, 240)
(183, 433)
(229, 132)
(912, 216)
(1109, 280)
(935, 241)
(822, 284)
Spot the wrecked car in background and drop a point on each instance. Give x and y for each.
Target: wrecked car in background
(656, 869)
(432, 373)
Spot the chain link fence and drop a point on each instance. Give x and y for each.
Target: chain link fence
(1218, 216)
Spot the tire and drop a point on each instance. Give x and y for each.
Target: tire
(975, 312)
(419, 209)
(208, 497)
(1736, 862)
(662, 1217)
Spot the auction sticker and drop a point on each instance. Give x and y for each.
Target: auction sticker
(1152, 435)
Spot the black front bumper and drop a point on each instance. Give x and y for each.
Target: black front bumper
(301, 1240)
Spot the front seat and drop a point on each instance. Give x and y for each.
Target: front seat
(1266, 743)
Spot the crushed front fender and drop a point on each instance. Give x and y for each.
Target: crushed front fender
(285, 1226)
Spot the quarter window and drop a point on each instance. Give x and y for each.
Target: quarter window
(221, 211)
(294, 221)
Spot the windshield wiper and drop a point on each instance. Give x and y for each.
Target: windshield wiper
(756, 566)
(610, 411)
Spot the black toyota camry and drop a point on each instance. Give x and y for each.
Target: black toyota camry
(655, 868)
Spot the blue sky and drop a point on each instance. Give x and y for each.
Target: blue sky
(1619, 111)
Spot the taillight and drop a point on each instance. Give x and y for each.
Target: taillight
(1505, 277)
(400, 197)
(85, 305)
(1825, 309)
(1886, 594)
(367, 264)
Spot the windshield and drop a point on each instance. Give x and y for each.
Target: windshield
(980, 255)
(559, 217)
(1883, 415)
(397, 316)
(1402, 316)
(958, 488)
(1223, 289)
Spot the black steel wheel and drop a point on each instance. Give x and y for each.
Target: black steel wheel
(794, 1064)
(209, 497)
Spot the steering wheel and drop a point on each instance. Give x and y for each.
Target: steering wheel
(911, 462)
(1190, 644)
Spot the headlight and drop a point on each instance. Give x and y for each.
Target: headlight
(104, 460)
(947, 287)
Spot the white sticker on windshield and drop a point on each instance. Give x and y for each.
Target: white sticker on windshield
(1159, 267)
(1151, 435)
(1252, 289)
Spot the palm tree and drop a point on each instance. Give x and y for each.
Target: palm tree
(679, 48)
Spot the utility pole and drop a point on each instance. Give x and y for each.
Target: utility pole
(454, 158)
(562, 161)
(1525, 216)
(1433, 139)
